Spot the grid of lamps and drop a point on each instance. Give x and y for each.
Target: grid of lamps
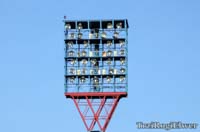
(95, 57)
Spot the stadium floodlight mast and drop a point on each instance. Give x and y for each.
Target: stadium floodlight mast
(96, 68)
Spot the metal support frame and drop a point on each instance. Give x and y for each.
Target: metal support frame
(97, 109)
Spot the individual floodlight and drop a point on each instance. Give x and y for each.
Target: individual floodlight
(84, 62)
(103, 71)
(122, 61)
(121, 43)
(119, 25)
(108, 79)
(72, 35)
(109, 61)
(94, 62)
(67, 26)
(109, 25)
(96, 80)
(96, 33)
(80, 35)
(85, 43)
(109, 43)
(122, 52)
(80, 26)
(111, 71)
(78, 72)
(121, 78)
(109, 53)
(115, 35)
(84, 71)
(70, 44)
(82, 79)
(72, 71)
(103, 35)
(73, 61)
(91, 72)
(71, 53)
(122, 70)
(104, 54)
(91, 35)
(71, 79)
(83, 53)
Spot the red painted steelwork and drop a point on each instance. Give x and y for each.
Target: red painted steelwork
(96, 109)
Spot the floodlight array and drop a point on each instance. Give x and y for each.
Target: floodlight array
(96, 56)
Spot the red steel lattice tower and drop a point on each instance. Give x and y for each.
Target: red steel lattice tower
(96, 69)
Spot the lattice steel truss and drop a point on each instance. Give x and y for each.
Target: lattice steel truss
(96, 69)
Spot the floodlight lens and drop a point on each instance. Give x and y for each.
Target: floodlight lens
(122, 70)
(80, 26)
(72, 71)
(122, 52)
(108, 79)
(109, 53)
(85, 43)
(71, 79)
(119, 25)
(70, 44)
(116, 35)
(72, 62)
(109, 43)
(122, 61)
(71, 53)
(122, 43)
(67, 26)
(109, 61)
(80, 35)
(109, 25)
(84, 61)
(82, 79)
(121, 78)
(103, 35)
(83, 53)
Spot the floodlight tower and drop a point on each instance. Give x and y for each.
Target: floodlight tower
(96, 69)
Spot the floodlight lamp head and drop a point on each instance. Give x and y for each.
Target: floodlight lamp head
(122, 61)
(122, 70)
(85, 43)
(121, 43)
(108, 79)
(80, 35)
(82, 79)
(72, 71)
(119, 25)
(84, 71)
(96, 80)
(109, 53)
(83, 53)
(111, 71)
(72, 35)
(67, 26)
(103, 35)
(71, 79)
(109, 26)
(115, 35)
(80, 26)
(71, 53)
(122, 52)
(93, 61)
(109, 61)
(70, 44)
(73, 61)
(109, 43)
(121, 78)
(84, 62)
